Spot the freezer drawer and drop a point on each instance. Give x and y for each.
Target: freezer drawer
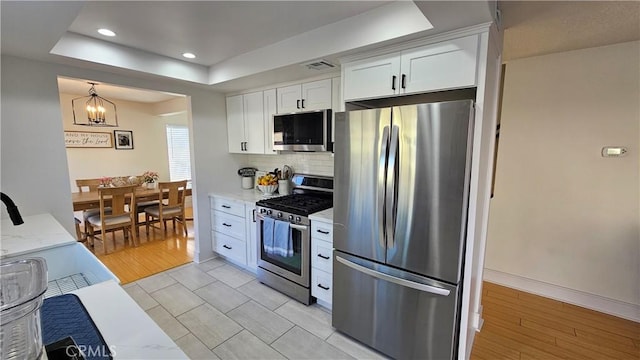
(402, 315)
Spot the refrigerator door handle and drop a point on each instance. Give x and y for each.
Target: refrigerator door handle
(402, 282)
(382, 165)
(391, 191)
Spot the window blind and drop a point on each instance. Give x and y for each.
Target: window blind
(179, 155)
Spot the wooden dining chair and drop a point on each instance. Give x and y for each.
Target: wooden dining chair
(89, 185)
(121, 216)
(171, 208)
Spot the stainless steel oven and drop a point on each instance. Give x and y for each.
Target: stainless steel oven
(285, 263)
(295, 268)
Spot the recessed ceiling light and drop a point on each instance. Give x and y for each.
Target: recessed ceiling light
(189, 55)
(106, 32)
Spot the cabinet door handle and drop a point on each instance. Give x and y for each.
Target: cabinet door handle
(298, 104)
(393, 82)
(323, 232)
(323, 287)
(324, 257)
(226, 247)
(227, 225)
(404, 81)
(226, 206)
(302, 102)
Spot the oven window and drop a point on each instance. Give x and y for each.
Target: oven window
(290, 263)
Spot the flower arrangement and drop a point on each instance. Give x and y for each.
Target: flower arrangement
(106, 181)
(150, 176)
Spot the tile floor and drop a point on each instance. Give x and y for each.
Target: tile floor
(215, 310)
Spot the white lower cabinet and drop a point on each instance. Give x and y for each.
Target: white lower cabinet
(233, 231)
(229, 247)
(322, 262)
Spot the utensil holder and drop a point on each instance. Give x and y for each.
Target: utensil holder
(284, 187)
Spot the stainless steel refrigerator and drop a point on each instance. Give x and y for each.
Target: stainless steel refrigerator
(401, 190)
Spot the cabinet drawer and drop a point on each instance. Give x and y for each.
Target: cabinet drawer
(227, 206)
(228, 224)
(321, 285)
(322, 231)
(229, 247)
(322, 255)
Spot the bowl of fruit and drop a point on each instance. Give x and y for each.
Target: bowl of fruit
(268, 184)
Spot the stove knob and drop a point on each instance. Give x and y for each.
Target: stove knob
(291, 218)
(269, 212)
(298, 219)
(262, 211)
(279, 214)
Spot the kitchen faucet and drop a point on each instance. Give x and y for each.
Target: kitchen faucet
(12, 209)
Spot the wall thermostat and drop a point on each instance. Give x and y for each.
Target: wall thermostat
(614, 151)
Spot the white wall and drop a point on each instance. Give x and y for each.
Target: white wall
(149, 143)
(563, 216)
(34, 167)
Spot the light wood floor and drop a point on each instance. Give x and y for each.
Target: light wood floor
(519, 325)
(156, 252)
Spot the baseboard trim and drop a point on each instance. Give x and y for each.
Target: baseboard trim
(571, 296)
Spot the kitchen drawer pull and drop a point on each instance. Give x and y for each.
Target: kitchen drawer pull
(226, 247)
(323, 287)
(226, 206)
(302, 103)
(404, 81)
(393, 82)
(298, 104)
(227, 225)
(323, 232)
(324, 257)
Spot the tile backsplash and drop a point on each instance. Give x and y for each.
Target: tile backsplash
(316, 163)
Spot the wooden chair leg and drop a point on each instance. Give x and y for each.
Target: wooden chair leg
(134, 237)
(146, 221)
(104, 241)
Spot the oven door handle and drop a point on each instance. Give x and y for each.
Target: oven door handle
(300, 227)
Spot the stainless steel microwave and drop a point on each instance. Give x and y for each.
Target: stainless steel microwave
(304, 131)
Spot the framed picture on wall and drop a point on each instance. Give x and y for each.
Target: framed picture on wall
(123, 139)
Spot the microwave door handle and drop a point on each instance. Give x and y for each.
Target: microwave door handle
(382, 165)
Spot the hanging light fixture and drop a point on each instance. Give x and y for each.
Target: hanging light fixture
(99, 111)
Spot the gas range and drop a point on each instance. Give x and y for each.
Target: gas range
(311, 194)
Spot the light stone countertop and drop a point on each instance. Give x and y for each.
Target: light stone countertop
(39, 232)
(247, 196)
(324, 215)
(128, 331)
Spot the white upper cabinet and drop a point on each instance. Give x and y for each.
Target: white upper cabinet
(444, 65)
(245, 123)
(270, 109)
(372, 78)
(315, 95)
(235, 124)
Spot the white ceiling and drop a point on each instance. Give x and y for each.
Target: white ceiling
(81, 87)
(243, 44)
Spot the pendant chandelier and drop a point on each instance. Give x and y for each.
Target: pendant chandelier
(97, 110)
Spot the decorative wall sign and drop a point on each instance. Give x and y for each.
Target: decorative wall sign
(87, 139)
(124, 139)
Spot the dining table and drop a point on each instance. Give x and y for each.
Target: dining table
(91, 200)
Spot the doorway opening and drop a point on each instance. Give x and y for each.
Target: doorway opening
(151, 136)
